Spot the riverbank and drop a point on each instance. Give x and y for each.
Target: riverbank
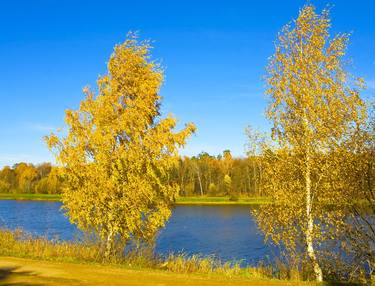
(221, 201)
(19, 245)
(21, 271)
(29, 197)
(180, 201)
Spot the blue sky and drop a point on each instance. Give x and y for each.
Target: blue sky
(215, 53)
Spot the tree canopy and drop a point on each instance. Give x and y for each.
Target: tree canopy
(315, 106)
(118, 151)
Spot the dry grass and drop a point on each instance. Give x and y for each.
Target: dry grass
(21, 271)
(19, 244)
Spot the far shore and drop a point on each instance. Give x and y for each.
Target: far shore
(196, 200)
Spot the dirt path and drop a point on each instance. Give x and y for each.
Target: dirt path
(19, 271)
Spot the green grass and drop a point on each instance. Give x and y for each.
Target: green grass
(180, 201)
(31, 197)
(221, 201)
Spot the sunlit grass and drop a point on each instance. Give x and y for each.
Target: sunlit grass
(36, 197)
(197, 200)
(19, 244)
(203, 200)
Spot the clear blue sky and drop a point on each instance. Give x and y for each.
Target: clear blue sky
(215, 53)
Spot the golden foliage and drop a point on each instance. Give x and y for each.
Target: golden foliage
(118, 151)
(314, 108)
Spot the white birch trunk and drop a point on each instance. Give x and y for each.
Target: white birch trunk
(255, 180)
(109, 245)
(200, 182)
(310, 222)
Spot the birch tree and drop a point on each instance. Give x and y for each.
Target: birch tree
(314, 104)
(118, 152)
(256, 141)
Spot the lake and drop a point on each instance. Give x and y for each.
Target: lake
(227, 232)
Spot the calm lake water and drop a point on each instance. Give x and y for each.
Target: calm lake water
(227, 232)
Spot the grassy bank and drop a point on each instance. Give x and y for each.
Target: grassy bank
(88, 256)
(221, 201)
(180, 201)
(31, 197)
(21, 271)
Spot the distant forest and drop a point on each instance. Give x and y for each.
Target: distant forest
(204, 174)
(31, 179)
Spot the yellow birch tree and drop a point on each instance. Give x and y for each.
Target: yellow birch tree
(314, 105)
(117, 154)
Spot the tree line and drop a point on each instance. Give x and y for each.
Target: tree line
(26, 178)
(222, 175)
(201, 175)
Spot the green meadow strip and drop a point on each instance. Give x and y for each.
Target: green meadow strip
(179, 201)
